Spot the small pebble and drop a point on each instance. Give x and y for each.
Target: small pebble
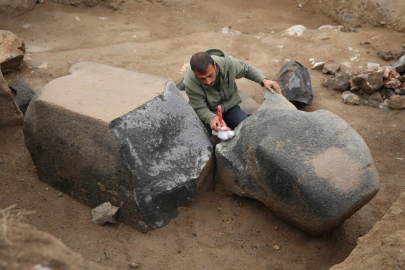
(276, 228)
(276, 247)
(178, 251)
(194, 234)
(60, 194)
(98, 260)
(133, 266)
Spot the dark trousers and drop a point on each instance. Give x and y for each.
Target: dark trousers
(232, 118)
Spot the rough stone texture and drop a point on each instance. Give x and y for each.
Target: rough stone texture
(104, 213)
(12, 50)
(357, 12)
(10, 114)
(400, 64)
(376, 97)
(331, 67)
(350, 98)
(383, 246)
(113, 4)
(13, 8)
(311, 169)
(24, 93)
(369, 82)
(104, 134)
(397, 102)
(339, 83)
(295, 83)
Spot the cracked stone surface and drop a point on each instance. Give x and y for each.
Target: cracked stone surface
(103, 134)
(311, 169)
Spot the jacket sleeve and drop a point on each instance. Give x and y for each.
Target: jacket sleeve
(199, 104)
(243, 69)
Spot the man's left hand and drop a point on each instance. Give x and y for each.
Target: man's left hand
(270, 85)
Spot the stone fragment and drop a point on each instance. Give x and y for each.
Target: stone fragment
(295, 83)
(133, 266)
(350, 98)
(369, 81)
(400, 64)
(331, 67)
(390, 72)
(318, 66)
(24, 93)
(389, 93)
(387, 56)
(373, 66)
(104, 213)
(296, 30)
(392, 83)
(107, 134)
(397, 102)
(402, 93)
(376, 97)
(10, 114)
(384, 107)
(12, 51)
(340, 82)
(314, 172)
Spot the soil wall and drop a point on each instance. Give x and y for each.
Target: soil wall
(380, 13)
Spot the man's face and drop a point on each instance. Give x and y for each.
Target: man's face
(208, 78)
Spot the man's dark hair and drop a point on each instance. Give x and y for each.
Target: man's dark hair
(200, 61)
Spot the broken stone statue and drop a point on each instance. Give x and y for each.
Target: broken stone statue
(295, 83)
(104, 134)
(310, 168)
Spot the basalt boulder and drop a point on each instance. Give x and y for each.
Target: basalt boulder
(295, 83)
(103, 134)
(310, 168)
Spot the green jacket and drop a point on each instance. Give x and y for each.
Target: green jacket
(205, 100)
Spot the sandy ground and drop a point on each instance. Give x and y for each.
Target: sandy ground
(219, 230)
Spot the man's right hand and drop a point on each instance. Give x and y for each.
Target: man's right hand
(215, 125)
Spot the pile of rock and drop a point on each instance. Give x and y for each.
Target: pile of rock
(377, 86)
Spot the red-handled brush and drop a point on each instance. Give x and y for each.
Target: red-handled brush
(224, 132)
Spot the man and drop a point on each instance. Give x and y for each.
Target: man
(210, 81)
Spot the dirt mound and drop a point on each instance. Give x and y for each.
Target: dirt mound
(24, 247)
(385, 13)
(387, 237)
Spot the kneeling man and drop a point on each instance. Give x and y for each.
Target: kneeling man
(210, 82)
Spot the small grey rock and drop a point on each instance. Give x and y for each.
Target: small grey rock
(60, 194)
(350, 98)
(397, 102)
(384, 107)
(387, 56)
(376, 97)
